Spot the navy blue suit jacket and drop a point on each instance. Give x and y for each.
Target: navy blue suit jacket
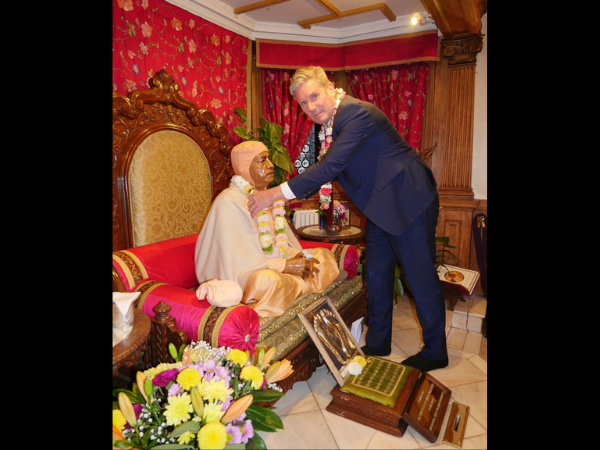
(383, 175)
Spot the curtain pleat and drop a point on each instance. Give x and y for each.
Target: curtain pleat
(400, 91)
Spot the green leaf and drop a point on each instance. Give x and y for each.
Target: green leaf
(240, 113)
(243, 133)
(256, 443)
(192, 426)
(264, 419)
(265, 395)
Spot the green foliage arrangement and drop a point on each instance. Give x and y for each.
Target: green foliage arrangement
(268, 133)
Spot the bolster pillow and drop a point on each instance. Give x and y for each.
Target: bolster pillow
(138, 264)
(236, 326)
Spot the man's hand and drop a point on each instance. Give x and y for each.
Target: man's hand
(261, 199)
(303, 267)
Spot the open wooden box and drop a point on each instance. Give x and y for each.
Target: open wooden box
(422, 404)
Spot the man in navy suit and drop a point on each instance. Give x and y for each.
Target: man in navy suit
(395, 190)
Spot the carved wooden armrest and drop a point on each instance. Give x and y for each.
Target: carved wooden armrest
(164, 331)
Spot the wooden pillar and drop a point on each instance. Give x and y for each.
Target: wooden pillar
(448, 139)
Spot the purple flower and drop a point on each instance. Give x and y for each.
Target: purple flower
(164, 378)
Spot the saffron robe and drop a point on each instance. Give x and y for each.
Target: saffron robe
(228, 248)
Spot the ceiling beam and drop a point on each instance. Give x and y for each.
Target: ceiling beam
(257, 5)
(385, 9)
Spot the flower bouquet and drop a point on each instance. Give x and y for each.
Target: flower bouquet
(339, 210)
(206, 399)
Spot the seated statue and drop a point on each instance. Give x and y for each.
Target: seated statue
(262, 255)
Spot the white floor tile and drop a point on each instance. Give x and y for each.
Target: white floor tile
(307, 425)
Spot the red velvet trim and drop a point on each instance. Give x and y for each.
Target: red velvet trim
(386, 51)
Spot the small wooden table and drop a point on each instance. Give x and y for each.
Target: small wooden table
(127, 352)
(349, 235)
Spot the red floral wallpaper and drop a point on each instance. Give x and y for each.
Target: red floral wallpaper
(207, 61)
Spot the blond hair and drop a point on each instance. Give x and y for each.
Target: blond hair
(303, 74)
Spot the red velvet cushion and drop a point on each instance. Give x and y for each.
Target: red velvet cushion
(179, 252)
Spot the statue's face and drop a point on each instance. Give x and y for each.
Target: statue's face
(261, 170)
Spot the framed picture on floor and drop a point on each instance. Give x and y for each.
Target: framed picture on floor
(330, 334)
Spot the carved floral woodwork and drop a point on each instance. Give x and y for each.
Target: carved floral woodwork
(144, 112)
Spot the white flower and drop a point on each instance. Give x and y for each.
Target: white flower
(266, 240)
(280, 223)
(354, 368)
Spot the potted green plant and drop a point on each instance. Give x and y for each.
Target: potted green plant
(268, 133)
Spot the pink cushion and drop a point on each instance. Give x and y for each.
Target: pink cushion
(236, 326)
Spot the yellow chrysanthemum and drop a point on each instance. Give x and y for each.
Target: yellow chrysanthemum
(213, 435)
(213, 411)
(253, 374)
(238, 356)
(215, 390)
(119, 420)
(189, 378)
(359, 359)
(178, 409)
(185, 438)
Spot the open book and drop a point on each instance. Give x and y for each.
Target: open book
(463, 280)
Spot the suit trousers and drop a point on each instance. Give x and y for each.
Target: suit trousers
(415, 250)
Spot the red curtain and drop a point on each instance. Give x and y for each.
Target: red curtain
(281, 108)
(400, 91)
(208, 62)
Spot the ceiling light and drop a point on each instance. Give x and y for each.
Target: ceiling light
(415, 19)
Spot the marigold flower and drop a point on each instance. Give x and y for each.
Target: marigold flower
(237, 408)
(213, 435)
(254, 374)
(238, 356)
(126, 408)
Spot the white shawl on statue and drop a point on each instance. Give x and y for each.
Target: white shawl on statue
(227, 247)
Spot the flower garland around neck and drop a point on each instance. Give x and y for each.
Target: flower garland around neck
(326, 137)
(273, 247)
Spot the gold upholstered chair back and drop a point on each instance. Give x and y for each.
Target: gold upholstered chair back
(170, 161)
(170, 189)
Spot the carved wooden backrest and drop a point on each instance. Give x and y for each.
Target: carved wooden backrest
(170, 160)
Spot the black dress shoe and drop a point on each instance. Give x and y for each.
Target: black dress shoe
(372, 351)
(418, 361)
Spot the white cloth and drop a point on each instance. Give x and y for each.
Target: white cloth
(222, 293)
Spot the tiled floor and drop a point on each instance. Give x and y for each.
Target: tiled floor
(307, 425)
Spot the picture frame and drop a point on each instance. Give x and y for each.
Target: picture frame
(346, 222)
(332, 337)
